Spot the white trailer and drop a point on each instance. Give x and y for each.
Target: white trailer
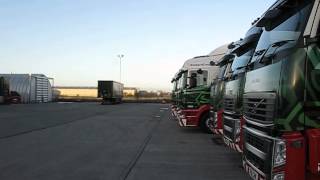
(33, 88)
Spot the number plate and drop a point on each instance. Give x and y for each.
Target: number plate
(226, 141)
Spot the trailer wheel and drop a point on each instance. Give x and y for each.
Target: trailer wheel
(205, 123)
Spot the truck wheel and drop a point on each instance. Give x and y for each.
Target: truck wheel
(205, 123)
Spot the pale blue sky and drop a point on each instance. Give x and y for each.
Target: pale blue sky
(77, 41)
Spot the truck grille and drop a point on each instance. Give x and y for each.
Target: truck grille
(255, 141)
(263, 147)
(259, 106)
(255, 160)
(230, 117)
(229, 104)
(229, 121)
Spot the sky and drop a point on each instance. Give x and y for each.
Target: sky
(76, 42)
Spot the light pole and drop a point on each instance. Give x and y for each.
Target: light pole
(120, 56)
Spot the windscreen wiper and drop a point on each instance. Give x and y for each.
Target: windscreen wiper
(240, 67)
(281, 43)
(262, 53)
(264, 58)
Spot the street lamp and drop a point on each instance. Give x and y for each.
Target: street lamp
(120, 56)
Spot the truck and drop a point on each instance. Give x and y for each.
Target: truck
(181, 84)
(174, 94)
(234, 85)
(281, 95)
(4, 91)
(111, 92)
(195, 100)
(217, 91)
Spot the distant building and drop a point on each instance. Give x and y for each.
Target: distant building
(91, 92)
(130, 91)
(33, 88)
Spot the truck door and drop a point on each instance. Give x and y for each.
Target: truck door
(312, 92)
(312, 109)
(312, 70)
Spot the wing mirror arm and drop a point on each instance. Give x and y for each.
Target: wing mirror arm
(311, 40)
(267, 58)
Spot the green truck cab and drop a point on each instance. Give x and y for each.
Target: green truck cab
(217, 91)
(234, 86)
(180, 84)
(194, 97)
(174, 82)
(281, 95)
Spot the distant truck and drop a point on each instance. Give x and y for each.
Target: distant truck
(111, 92)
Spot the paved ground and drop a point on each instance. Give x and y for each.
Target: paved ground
(90, 141)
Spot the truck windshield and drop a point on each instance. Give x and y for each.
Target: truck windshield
(178, 83)
(182, 82)
(222, 71)
(241, 62)
(174, 85)
(202, 79)
(286, 28)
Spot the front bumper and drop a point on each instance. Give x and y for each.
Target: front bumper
(178, 115)
(191, 117)
(253, 172)
(187, 118)
(232, 131)
(233, 145)
(174, 111)
(217, 127)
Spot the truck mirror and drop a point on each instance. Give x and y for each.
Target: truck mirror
(200, 71)
(311, 40)
(268, 16)
(231, 45)
(228, 57)
(246, 43)
(267, 58)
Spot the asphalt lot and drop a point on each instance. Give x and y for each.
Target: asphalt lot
(91, 141)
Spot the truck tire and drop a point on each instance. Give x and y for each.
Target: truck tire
(204, 123)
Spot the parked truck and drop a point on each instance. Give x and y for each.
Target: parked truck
(282, 94)
(111, 92)
(179, 84)
(217, 91)
(181, 79)
(174, 90)
(174, 95)
(234, 85)
(195, 100)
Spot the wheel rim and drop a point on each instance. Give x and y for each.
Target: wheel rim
(208, 122)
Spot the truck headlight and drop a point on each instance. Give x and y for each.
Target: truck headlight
(279, 176)
(279, 153)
